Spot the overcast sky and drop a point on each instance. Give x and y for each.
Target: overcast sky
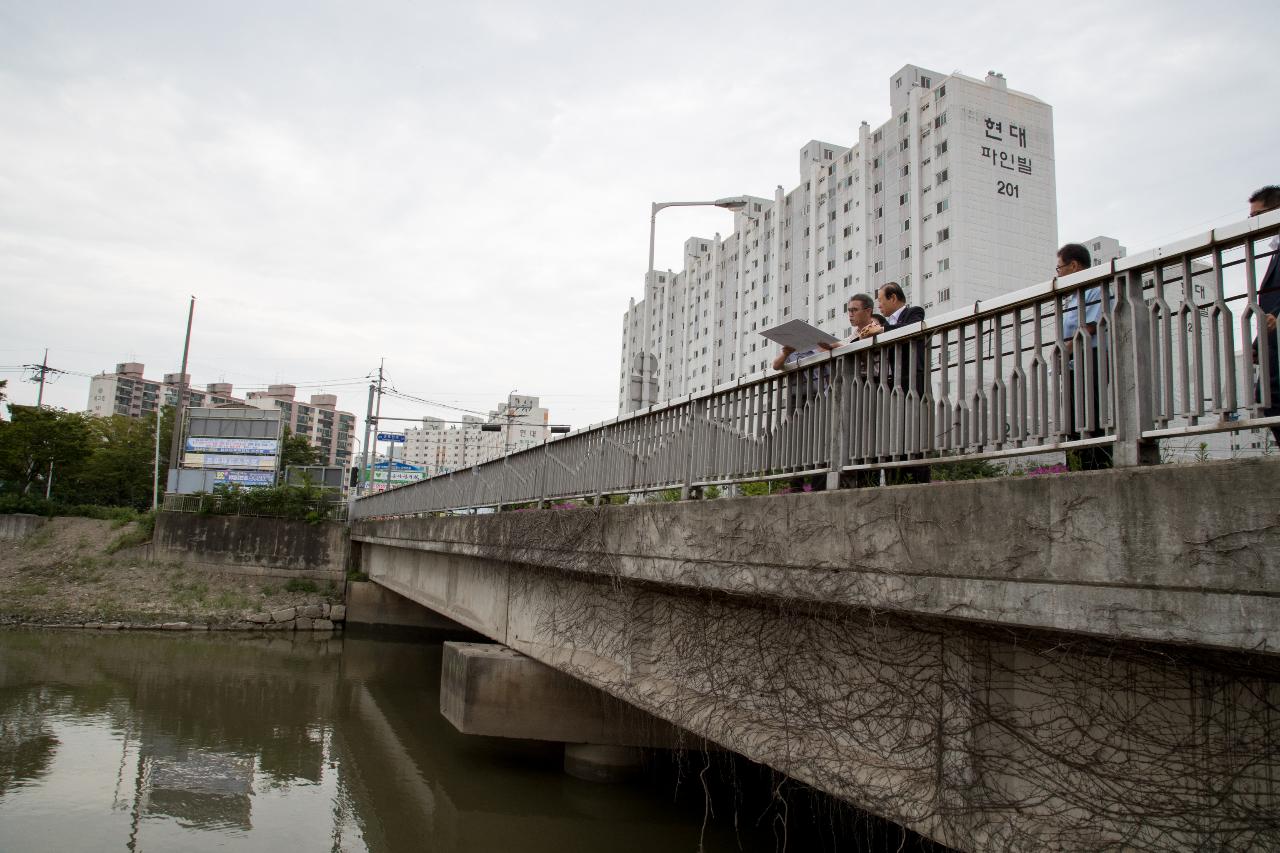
(464, 189)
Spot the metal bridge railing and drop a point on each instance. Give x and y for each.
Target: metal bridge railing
(1172, 354)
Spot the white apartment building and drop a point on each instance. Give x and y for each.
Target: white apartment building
(127, 392)
(440, 446)
(954, 198)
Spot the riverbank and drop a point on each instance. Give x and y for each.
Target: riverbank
(71, 572)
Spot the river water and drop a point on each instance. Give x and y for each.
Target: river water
(193, 742)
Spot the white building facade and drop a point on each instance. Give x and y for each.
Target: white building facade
(954, 198)
(440, 447)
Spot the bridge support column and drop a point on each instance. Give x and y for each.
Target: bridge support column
(490, 689)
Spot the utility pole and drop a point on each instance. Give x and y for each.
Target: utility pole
(44, 370)
(368, 456)
(155, 468)
(175, 445)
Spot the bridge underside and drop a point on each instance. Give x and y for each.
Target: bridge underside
(1003, 697)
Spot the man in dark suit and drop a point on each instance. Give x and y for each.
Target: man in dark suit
(1264, 200)
(907, 359)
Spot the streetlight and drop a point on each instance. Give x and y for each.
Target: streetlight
(734, 203)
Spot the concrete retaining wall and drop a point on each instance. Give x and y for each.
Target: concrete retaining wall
(19, 525)
(273, 547)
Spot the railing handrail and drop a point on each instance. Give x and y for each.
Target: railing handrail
(765, 408)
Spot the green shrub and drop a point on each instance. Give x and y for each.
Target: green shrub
(140, 535)
(39, 506)
(300, 585)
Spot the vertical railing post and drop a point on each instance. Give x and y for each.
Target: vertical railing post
(836, 424)
(1133, 377)
(697, 417)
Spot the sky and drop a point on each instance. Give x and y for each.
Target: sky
(463, 190)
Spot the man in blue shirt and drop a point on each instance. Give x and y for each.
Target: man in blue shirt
(1073, 258)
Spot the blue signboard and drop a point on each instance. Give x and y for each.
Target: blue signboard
(391, 436)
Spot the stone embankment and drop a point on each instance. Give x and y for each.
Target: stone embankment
(77, 573)
(306, 617)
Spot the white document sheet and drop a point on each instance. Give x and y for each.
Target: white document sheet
(799, 335)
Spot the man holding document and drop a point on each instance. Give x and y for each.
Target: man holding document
(861, 319)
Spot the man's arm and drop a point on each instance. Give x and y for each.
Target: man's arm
(781, 360)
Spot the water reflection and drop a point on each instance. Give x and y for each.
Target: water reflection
(201, 742)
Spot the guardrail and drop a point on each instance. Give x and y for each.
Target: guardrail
(214, 504)
(1002, 381)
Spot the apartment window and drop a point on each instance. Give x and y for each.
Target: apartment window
(940, 148)
(906, 225)
(879, 186)
(848, 256)
(875, 164)
(904, 198)
(904, 145)
(879, 212)
(906, 253)
(879, 266)
(940, 93)
(944, 264)
(902, 119)
(906, 170)
(879, 239)
(944, 234)
(925, 81)
(848, 230)
(877, 136)
(941, 177)
(940, 120)
(945, 204)
(944, 295)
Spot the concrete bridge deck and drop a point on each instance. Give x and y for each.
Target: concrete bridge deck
(1074, 662)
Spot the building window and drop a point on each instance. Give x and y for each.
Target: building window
(940, 120)
(940, 148)
(906, 253)
(906, 225)
(904, 145)
(941, 177)
(904, 198)
(944, 234)
(944, 264)
(877, 187)
(879, 266)
(945, 204)
(906, 170)
(944, 295)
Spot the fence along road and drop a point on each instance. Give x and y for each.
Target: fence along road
(1001, 382)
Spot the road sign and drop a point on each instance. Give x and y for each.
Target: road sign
(391, 436)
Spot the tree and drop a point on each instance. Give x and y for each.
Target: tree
(4, 383)
(34, 441)
(297, 450)
(120, 470)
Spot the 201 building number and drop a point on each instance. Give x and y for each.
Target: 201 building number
(1007, 188)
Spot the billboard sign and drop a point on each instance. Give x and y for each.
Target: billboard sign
(264, 446)
(248, 479)
(228, 460)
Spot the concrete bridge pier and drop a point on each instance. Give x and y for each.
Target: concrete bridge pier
(490, 689)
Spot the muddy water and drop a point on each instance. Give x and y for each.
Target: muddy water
(144, 742)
